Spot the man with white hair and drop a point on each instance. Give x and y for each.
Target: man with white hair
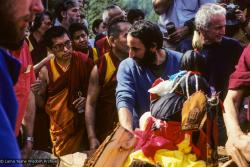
(221, 53)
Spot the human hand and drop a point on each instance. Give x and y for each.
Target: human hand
(235, 154)
(79, 103)
(179, 34)
(130, 142)
(243, 144)
(38, 87)
(94, 143)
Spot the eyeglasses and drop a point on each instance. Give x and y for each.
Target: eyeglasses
(60, 47)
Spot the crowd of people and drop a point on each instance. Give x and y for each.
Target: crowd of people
(62, 92)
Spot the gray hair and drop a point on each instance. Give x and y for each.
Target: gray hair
(205, 13)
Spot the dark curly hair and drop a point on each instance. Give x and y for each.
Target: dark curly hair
(53, 32)
(77, 27)
(38, 20)
(148, 33)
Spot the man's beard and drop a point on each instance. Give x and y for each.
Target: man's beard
(10, 35)
(13, 46)
(148, 60)
(74, 20)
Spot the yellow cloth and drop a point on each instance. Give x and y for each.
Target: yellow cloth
(110, 68)
(167, 158)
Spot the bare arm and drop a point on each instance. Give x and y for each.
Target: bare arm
(40, 87)
(28, 122)
(232, 105)
(39, 65)
(125, 118)
(29, 117)
(238, 144)
(90, 109)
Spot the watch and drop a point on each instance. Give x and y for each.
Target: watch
(29, 138)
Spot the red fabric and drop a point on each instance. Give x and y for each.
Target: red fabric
(241, 76)
(26, 78)
(103, 46)
(166, 137)
(240, 79)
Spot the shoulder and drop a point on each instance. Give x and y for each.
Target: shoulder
(126, 67)
(128, 63)
(80, 55)
(173, 54)
(231, 41)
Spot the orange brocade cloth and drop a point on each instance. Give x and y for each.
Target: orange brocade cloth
(67, 127)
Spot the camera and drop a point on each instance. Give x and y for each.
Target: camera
(231, 11)
(170, 27)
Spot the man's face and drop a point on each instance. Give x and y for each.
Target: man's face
(137, 51)
(15, 16)
(45, 25)
(81, 3)
(215, 30)
(161, 6)
(101, 28)
(62, 48)
(120, 43)
(80, 40)
(73, 15)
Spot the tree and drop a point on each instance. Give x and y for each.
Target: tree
(94, 8)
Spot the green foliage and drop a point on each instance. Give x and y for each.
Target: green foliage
(94, 8)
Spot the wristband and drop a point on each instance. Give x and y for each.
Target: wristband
(29, 138)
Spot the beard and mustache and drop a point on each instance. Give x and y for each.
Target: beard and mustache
(10, 36)
(148, 60)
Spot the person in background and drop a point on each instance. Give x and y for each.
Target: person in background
(101, 115)
(79, 36)
(135, 15)
(41, 24)
(237, 20)
(67, 12)
(177, 21)
(221, 53)
(98, 29)
(238, 141)
(66, 77)
(109, 13)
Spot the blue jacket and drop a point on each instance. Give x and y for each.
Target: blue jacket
(9, 71)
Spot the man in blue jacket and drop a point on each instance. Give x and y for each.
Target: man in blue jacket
(147, 61)
(15, 16)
